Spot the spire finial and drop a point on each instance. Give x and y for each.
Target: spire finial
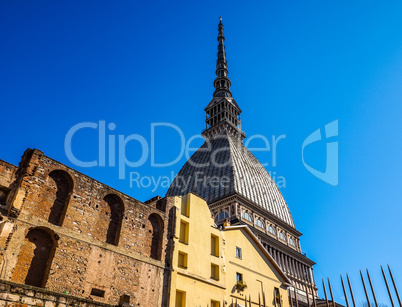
(222, 113)
(222, 82)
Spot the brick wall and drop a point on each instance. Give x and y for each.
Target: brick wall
(7, 173)
(16, 295)
(96, 242)
(7, 177)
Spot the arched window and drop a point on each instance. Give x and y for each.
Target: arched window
(59, 189)
(34, 259)
(113, 210)
(282, 236)
(221, 216)
(155, 230)
(3, 196)
(292, 242)
(260, 224)
(247, 216)
(271, 230)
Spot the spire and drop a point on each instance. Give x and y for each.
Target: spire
(222, 113)
(222, 82)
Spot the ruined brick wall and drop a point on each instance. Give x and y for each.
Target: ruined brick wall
(7, 177)
(34, 255)
(103, 244)
(12, 294)
(7, 173)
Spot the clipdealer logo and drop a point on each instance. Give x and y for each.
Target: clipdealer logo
(112, 153)
(331, 173)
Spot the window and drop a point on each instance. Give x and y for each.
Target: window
(214, 271)
(238, 252)
(271, 230)
(182, 260)
(239, 277)
(97, 292)
(124, 299)
(247, 216)
(35, 258)
(180, 299)
(185, 207)
(278, 298)
(3, 195)
(260, 224)
(60, 188)
(215, 303)
(214, 246)
(155, 230)
(282, 236)
(292, 242)
(221, 216)
(183, 232)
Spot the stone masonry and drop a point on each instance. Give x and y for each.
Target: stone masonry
(67, 233)
(17, 295)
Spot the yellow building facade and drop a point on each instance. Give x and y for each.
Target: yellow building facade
(219, 266)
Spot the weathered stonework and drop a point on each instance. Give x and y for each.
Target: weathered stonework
(7, 178)
(64, 231)
(12, 294)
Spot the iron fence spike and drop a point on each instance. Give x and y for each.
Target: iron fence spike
(325, 292)
(372, 289)
(351, 292)
(312, 292)
(344, 292)
(365, 290)
(393, 282)
(330, 291)
(386, 283)
(290, 297)
(297, 302)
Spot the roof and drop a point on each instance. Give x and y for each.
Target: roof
(222, 167)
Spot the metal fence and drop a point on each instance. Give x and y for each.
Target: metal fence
(295, 300)
(332, 303)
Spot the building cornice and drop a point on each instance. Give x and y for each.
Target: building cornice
(283, 247)
(258, 209)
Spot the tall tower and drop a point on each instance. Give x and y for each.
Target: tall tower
(222, 113)
(238, 188)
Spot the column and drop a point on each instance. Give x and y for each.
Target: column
(286, 263)
(300, 271)
(278, 254)
(308, 274)
(283, 262)
(293, 267)
(290, 265)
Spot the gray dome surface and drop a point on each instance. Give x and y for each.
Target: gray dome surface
(223, 166)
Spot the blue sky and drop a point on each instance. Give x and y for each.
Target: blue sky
(294, 65)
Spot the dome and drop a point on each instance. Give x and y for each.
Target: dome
(222, 167)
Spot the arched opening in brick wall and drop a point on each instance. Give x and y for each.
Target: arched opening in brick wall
(61, 187)
(113, 214)
(3, 195)
(156, 236)
(35, 258)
